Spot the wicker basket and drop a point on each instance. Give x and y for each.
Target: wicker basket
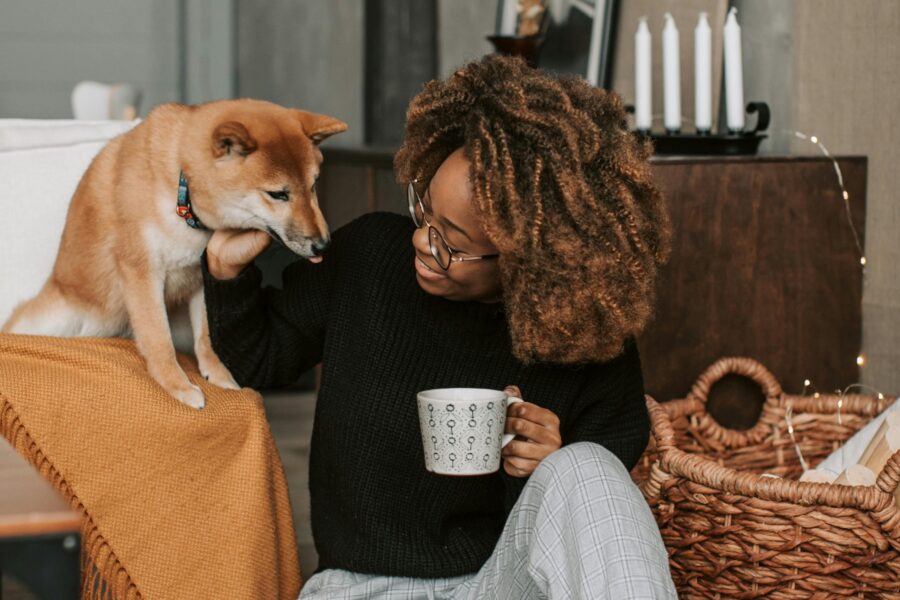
(733, 532)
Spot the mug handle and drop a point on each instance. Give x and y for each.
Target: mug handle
(508, 437)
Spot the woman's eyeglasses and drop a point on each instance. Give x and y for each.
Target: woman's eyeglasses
(443, 254)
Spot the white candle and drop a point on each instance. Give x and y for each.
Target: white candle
(734, 73)
(703, 75)
(509, 20)
(643, 102)
(671, 76)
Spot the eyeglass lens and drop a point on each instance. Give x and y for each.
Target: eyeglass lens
(436, 242)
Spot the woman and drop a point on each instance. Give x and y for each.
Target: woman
(536, 238)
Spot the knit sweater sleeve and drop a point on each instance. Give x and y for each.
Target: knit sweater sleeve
(611, 410)
(266, 336)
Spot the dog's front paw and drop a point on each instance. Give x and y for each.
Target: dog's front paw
(192, 396)
(223, 380)
(217, 374)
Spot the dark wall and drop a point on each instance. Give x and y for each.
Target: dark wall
(401, 55)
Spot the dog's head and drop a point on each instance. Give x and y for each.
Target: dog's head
(254, 165)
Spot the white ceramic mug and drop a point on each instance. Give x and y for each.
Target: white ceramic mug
(462, 429)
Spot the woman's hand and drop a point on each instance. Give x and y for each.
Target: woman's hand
(537, 435)
(230, 250)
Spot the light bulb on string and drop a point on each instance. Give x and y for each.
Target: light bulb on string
(807, 385)
(840, 177)
(845, 195)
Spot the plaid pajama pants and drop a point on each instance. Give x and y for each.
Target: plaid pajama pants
(580, 529)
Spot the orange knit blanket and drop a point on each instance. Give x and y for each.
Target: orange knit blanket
(175, 503)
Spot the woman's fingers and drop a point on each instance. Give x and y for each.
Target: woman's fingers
(513, 390)
(230, 250)
(520, 467)
(525, 450)
(537, 435)
(534, 413)
(536, 432)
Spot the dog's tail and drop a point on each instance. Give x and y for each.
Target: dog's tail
(51, 313)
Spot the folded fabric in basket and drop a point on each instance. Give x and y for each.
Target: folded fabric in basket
(850, 453)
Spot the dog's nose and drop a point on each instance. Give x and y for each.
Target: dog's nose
(318, 247)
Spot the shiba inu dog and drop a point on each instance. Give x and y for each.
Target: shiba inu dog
(145, 208)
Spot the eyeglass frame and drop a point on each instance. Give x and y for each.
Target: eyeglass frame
(454, 254)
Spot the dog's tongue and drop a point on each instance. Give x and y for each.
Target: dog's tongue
(315, 259)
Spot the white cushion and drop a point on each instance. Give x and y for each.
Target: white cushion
(41, 163)
(22, 134)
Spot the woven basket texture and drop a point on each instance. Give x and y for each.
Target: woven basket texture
(734, 518)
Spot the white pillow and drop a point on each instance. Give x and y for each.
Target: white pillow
(38, 184)
(20, 134)
(41, 163)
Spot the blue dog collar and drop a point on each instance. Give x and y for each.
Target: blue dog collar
(183, 209)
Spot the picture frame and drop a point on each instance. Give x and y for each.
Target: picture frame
(581, 39)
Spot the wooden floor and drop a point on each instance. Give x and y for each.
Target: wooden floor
(291, 418)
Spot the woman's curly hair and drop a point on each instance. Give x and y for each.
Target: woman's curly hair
(562, 189)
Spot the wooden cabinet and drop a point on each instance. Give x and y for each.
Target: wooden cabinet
(763, 265)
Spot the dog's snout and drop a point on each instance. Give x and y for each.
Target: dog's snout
(319, 246)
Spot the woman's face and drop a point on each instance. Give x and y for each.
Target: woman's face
(449, 209)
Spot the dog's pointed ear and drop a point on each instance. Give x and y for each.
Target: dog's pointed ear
(232, 138)
(318, 127)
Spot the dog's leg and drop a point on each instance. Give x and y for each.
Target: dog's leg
(210, 365)
(144, 298)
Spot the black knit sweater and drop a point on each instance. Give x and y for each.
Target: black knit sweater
(381, 339)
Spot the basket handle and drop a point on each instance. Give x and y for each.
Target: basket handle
(663, 435)
(889, 477)
(751, 369)
(660, 425)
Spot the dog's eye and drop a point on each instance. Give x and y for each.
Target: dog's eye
(282, 195)
(313, 190)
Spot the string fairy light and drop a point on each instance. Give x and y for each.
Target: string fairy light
(845, 195)
(807, 384)
(788, 413)
(862, 387)
(840, 396)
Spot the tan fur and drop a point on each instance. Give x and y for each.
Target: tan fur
(126, 256)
